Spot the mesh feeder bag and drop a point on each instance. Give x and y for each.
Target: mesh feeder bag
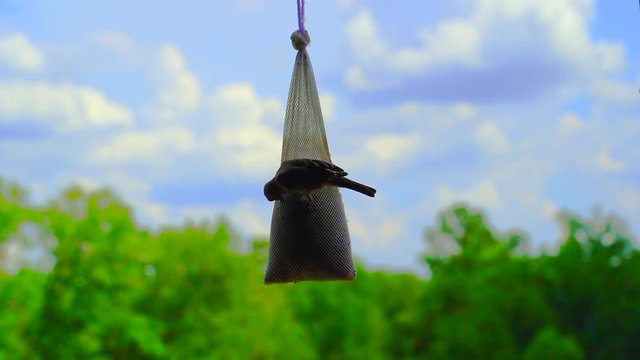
(309, 240)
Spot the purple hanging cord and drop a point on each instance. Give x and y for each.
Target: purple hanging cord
(301, 17)
(300, 36)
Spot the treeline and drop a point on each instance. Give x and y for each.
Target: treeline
(119, 291)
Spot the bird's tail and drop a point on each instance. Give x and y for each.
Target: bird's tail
(356, 186)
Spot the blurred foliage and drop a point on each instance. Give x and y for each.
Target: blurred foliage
(119, 291)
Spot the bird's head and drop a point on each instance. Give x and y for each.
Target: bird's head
(272, 191)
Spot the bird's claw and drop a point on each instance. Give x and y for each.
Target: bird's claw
(306, 199)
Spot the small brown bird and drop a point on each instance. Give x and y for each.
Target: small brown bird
(305, 175)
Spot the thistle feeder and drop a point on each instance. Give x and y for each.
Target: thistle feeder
(309, 240)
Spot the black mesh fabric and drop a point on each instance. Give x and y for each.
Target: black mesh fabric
(309, 240)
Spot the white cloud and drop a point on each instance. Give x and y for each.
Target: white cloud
(328, 105)
(454, 42)
(85, 182)
(565, 20)
(389, 147)
(629, 198)
(178, 88)
(147, 146)
(605, 161)
(251, 6)
(375, 228)
(484, 194)
(491, 139)
(250, 151)
(387, 152)
(356, 79)
(615, 91)
(570, 123)
(67, 106)
(552, 36)
(246, 214)
(117, 42)
(346, 4)
(394, 137)
(238, 105)
(428, 116)
(451, 42)
(464, 111)
(610, 57)
(380, 233)
(550, 209)
(364, 39)
(242, 142)
(19, 53)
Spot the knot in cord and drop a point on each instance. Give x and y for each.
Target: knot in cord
(298, 41)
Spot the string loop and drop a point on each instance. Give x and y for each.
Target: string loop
(300, 38)
(301, 16)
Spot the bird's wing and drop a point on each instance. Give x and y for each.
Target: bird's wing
(314, 163)
(292, 177)
(307, 173)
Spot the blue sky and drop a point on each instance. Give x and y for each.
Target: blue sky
(522, 108)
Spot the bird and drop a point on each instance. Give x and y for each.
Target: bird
(302, 176)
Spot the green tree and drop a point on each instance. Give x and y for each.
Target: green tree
(549, 344)
(594, 287)
(120, 291)
(482, 301)
(20, 300)
(13, 207)
(344, 319)
(89, 302)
